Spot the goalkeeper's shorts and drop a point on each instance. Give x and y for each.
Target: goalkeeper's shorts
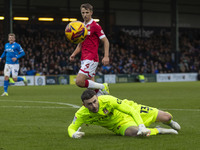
(148, 115)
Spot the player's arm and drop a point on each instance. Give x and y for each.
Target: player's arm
(21, 54)
(76, 51)
(74, 128)
(2, 56)
(106, 44)
(18, 56)
(125, 108)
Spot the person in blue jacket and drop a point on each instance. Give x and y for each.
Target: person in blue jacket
(12, 52)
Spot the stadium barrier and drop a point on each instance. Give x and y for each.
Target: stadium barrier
(176, 77)
(32, 80)
(109, 78)
(59, 79)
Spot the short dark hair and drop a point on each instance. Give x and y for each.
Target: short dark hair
(87, 94)
(87, 6)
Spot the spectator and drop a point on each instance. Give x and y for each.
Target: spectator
(48, 52)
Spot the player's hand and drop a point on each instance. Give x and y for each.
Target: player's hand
(0, 59)
(143, 130)
(105, 61)
(78, 134)
(14, 59)
(72, 58)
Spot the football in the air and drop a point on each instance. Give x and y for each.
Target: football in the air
(76, 32)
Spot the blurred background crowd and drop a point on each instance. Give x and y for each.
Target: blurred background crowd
(48, 51)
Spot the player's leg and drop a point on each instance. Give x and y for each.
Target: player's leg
(86, 73)
(81, 80)
(163, 117)
(18, 79)
(7, 70)
(84, 81)
(150, 115)
(133, 130)
(164, 131)
(25, 81)
(126, 127)
(166, 118)
(15, 77)
(98, 91)
(6, 84)
(11, 81)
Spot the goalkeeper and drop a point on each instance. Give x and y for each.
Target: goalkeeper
(123, 117)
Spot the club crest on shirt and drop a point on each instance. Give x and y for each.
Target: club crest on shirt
(105, 111)
(88, 27)
(13, 46)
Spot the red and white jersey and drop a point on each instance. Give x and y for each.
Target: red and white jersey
(89, 47)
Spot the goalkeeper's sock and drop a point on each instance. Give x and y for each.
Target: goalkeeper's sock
(154, 131)
(174, 125)
(166, 131)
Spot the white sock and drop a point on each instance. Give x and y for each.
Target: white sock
(99, 93)
(171, 122)
(158, 130)
(95, 85)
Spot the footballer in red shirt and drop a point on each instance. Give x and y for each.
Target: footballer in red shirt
(89, 52)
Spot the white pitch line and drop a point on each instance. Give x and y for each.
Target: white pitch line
(43, 102)
(43, 107)
(72, 105)
(180, 109)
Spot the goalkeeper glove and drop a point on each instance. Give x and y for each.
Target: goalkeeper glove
(78, 134)
(143, 130)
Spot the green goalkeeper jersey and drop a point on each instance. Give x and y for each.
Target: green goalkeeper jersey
(112, 113)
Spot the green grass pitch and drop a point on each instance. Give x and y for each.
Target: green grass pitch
(37, 117)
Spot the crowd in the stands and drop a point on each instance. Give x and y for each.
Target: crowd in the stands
(47, 53)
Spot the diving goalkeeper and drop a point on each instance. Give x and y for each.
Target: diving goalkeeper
(123, 117)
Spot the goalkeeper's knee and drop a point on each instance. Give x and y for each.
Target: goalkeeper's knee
(169, 118)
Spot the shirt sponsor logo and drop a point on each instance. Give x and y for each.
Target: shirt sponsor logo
(9, 50)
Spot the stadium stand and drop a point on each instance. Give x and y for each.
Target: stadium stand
(48, 51)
